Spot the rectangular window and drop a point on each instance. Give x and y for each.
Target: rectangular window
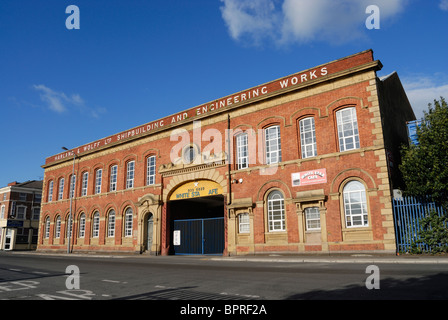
(242, 151)
(308, 137)
(113, 178)
(2, 212)
(98, 178)
(50, 191)
(61, 189)
(22, 196)
(85, 181)
(243, 223)
(151, 170)
(273, 145)
(130, 174)
(312, 218)
(347, 129)
(36, 213)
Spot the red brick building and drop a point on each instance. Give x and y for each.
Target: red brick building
(305, 163)
(19, 215)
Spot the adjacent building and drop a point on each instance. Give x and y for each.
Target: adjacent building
(19, 215)
(305, 163)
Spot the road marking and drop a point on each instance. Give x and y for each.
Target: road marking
(17, 270)
(40, 272)
(112, 281)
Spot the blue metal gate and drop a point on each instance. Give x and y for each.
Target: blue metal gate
(408, 212)
(198, 236)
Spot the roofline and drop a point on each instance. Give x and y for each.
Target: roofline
(374, 64)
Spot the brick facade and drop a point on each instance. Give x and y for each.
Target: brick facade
(316, 93)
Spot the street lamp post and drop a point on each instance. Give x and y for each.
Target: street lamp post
(71, 194)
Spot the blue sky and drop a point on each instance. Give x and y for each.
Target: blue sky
(135, 61)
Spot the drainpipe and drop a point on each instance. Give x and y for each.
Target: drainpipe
(229, 184)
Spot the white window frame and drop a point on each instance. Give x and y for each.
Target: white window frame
(150, 170)
(61, 188)
(85, 183)
(128, 224)
(57, 231)
(273, 147)
(130, 173)
(242, 151)
(50, 191)
(113, 178)
(96, 225)
(312, 218)
(82, 225)
(348, 134)
(98, 180)
(2, 212)
(308, 137)
(47, 227)
(276, 211)
(111, 224)
(244, 222)
(20, 215)
(355, 205)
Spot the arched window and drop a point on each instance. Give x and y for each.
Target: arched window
(47, 227)
(273, 145)
(128, 222)
(347, 129)
(96, 225)
(61, 188)
(242, 151)
(50, 191)
(82, 225)
(130, 171)
(111, 224)
(307, 137)
(355, 205)
(150, 170)
(276, 211)
(57, 232)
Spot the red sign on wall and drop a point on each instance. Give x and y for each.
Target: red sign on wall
(306, 178)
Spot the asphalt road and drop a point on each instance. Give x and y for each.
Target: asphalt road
(184, 278)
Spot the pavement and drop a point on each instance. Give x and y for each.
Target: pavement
(371, 258)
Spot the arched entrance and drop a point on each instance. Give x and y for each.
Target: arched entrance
(197, 218)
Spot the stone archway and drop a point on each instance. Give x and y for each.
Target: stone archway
(149, 208)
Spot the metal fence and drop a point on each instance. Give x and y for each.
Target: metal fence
(408, 212)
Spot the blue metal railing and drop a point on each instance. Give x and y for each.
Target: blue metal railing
(408, 213)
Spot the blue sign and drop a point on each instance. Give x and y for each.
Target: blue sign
(14, 224)
(412, 131)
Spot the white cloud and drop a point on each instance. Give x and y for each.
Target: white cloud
(254, 17)
(61, 102)
(287, 21)
(423, 90)
(443, 5)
